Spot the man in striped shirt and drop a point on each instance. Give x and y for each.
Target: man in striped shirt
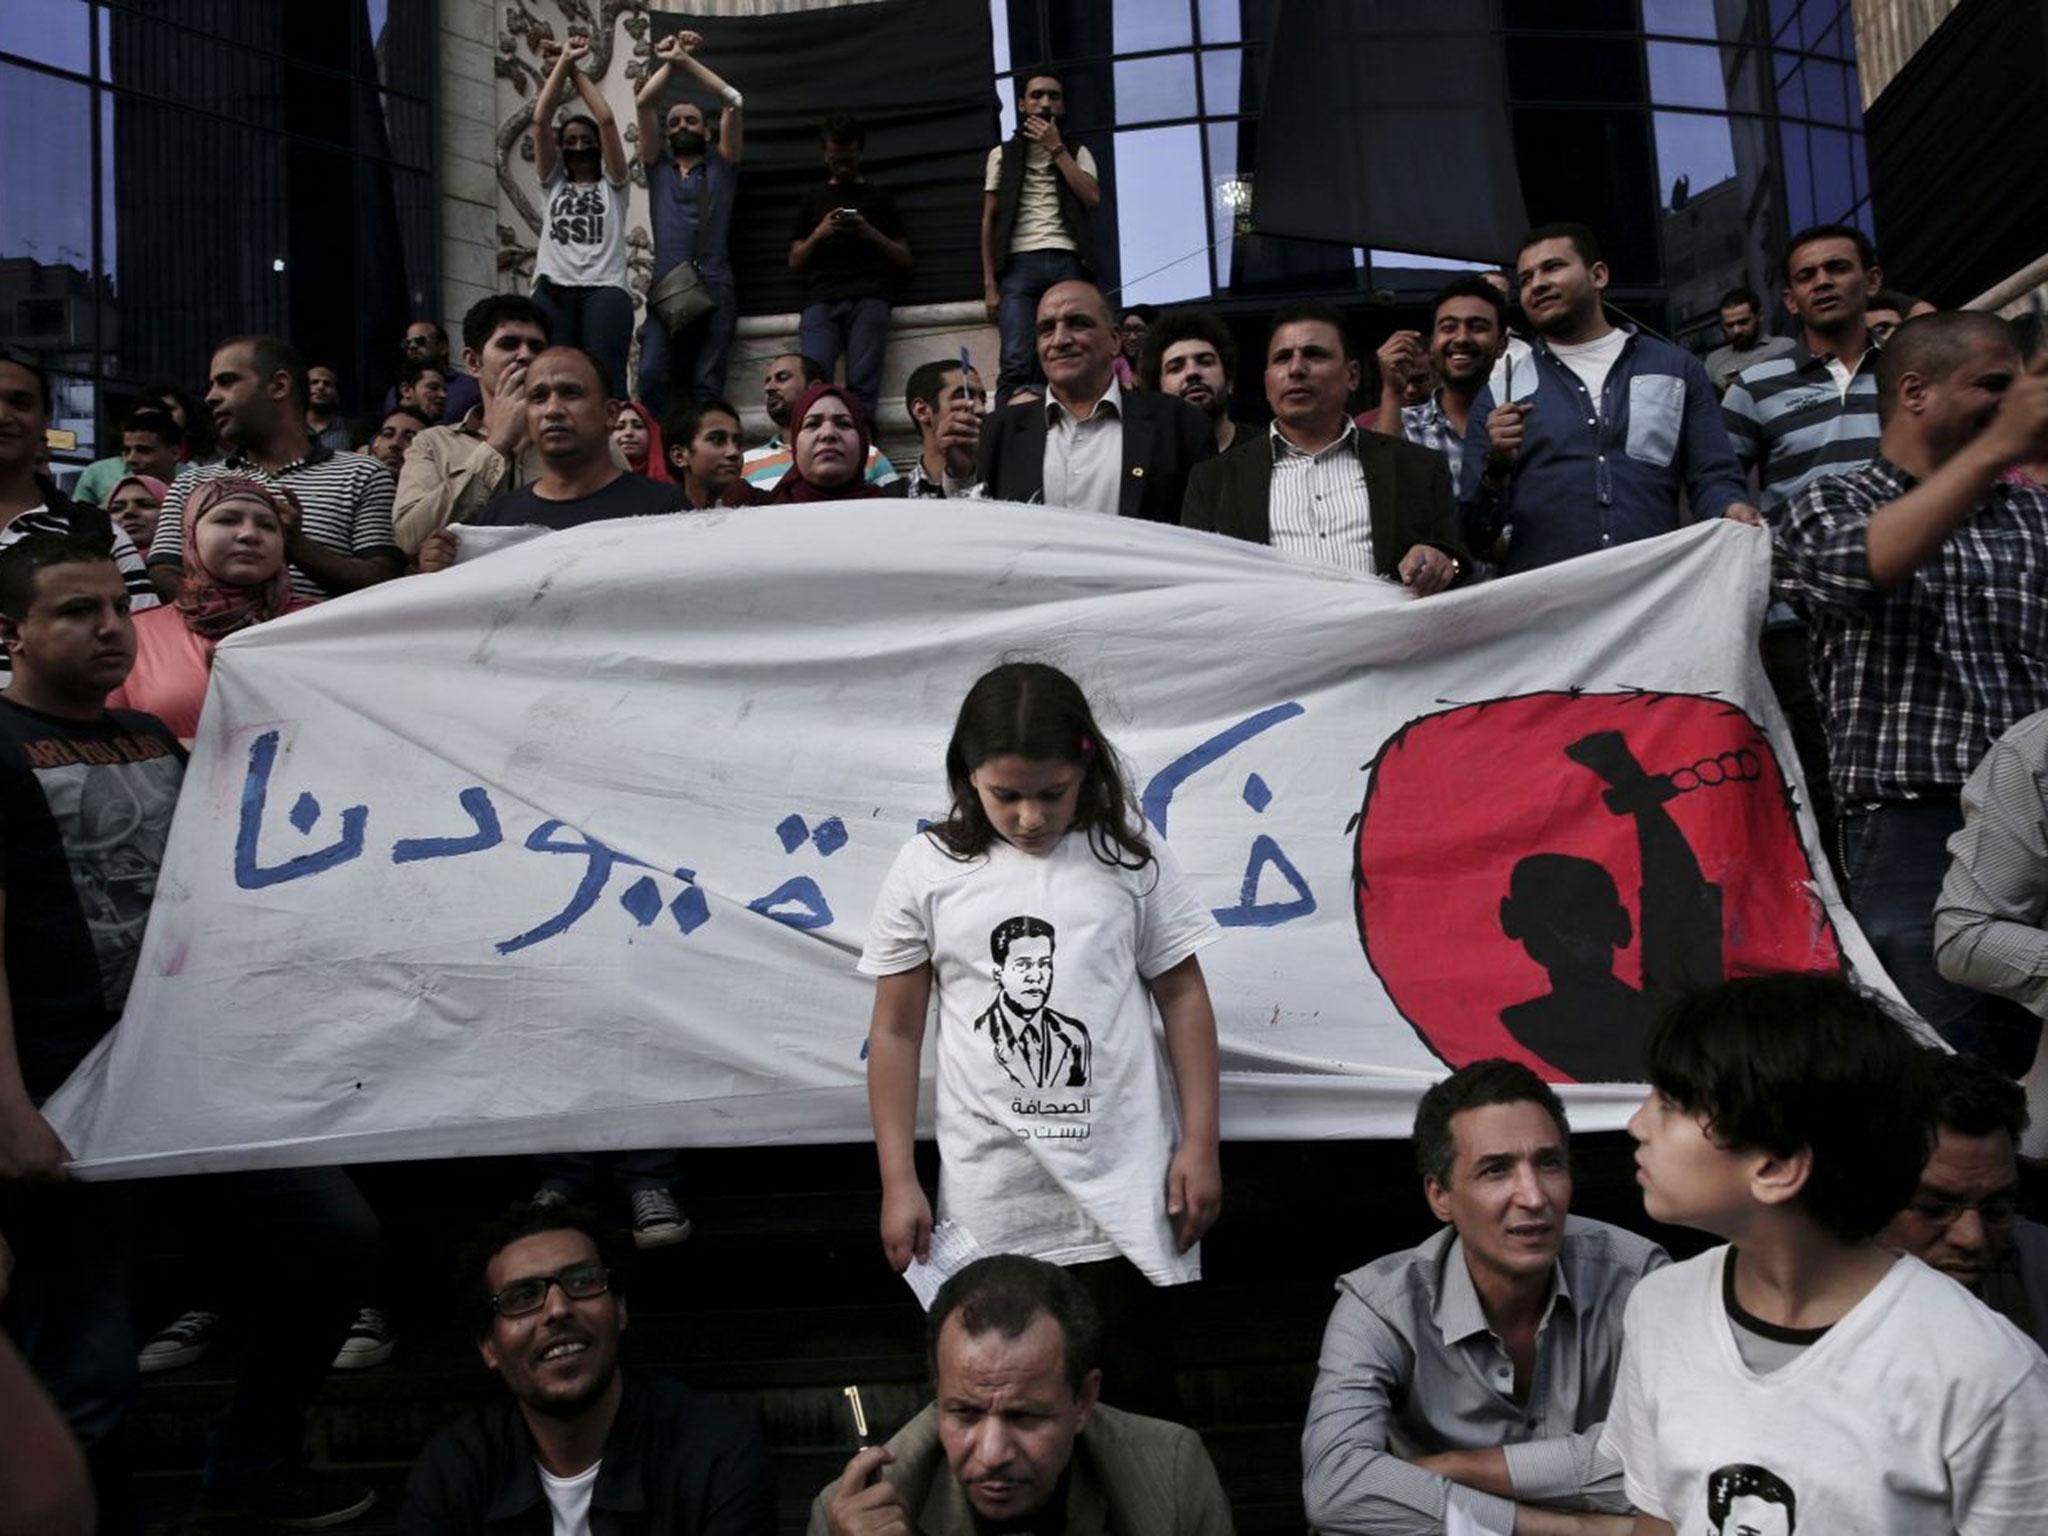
(1463, 1383)
(30, 504)
(1797, 418)
(257, 394)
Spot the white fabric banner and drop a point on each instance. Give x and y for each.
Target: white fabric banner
(572, 846)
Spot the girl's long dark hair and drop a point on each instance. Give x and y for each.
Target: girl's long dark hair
(1034, 711)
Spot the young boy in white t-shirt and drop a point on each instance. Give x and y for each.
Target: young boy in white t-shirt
(1802, 1378)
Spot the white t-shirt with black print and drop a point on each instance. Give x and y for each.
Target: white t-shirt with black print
(1920, 1411)
(582, 232)
(1057, 1115)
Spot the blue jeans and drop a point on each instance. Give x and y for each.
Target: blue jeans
(695, 359)
(1895, 855)
(859, 328)
(599, 320)
(1022, 285)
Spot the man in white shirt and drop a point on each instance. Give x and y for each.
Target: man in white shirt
(1034, 206)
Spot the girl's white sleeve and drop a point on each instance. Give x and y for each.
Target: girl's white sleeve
(1171, 924)
(899, 934)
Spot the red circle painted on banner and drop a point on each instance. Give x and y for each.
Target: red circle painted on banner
(1501, 860)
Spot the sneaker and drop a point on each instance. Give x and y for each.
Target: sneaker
(657, 1219)
(548, 1195)
(293, 1501)
(368, 1343)
(181, 1343)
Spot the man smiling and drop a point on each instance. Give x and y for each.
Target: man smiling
(579, 1447)
(1471, 1374)
(1017, 1440)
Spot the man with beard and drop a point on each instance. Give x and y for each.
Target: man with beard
(423, 389)
(1964, 1218)
(691, 183)
(1797, 418)
(343, 540)
(578, 1445)
(788, 376)
(1920, 576)
(1468, 328)
(1035, 199)
(1607, 430)
(1743, 343)
(1194, 356)
(324, 422)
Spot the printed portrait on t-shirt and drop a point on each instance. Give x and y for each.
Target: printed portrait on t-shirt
(1745, 1500)
(1035, 1046)
(122, 818)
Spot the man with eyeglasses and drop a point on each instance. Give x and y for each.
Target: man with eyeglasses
(1963, 1219)
(579, 1447)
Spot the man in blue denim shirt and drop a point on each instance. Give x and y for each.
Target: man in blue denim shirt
(1604, 429)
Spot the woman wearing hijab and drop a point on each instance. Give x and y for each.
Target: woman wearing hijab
(831, 449)
(133, 504)
(638, 437)
(235, 576)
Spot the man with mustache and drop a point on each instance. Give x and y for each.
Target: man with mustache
(1964, 1218)
(1920, 578)
(1193, 355)
(577, 1444)
(1089, 444)
(1321, 489)
(1743, 344)
(1609, 429)
(691, 183)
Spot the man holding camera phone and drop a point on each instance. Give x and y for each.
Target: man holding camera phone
(848, 244)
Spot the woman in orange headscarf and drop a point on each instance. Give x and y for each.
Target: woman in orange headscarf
(235, 576)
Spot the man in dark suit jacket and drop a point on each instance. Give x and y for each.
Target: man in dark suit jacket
(1090, 444)
(1320, 489)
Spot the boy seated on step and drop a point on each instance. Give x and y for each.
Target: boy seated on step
(1801, 1377)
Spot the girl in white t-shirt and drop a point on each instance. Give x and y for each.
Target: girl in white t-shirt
(579, 268)
(1076, 1045)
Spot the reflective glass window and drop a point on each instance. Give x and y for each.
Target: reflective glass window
(1148, 90)
(1163, 234)
(1222, 69)
(1221, 21)
(1683, 75)
(55, 32)
(1575, 69)
(1147, 24)
(47, 283)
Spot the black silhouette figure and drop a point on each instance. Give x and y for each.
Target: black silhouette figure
(1567, 913)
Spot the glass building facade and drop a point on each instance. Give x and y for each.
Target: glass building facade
(1693, 135)
(178, 171)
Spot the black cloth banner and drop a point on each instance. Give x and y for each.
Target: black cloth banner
(919, 74)
(1385, 125)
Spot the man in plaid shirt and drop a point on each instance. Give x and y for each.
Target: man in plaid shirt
(1925, 579)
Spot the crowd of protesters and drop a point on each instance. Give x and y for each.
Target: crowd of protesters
(1862, 1352)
